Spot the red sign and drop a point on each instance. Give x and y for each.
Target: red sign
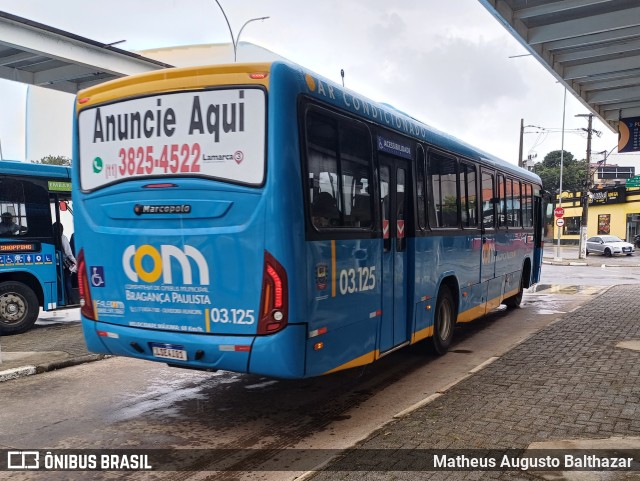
(385, 229)
(558, 212)
(400, 225)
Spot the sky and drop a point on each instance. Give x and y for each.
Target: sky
(449, 64)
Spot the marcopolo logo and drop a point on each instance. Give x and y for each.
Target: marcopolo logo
(148, 264)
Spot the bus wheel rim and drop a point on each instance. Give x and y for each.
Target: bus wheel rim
(12, 308)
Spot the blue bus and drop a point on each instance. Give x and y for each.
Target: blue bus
(258, 218)
(33, 198)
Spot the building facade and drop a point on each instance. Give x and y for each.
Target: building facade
(612, 210)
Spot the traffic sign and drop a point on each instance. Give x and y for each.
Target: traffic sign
(560, 222)
(633, 181)
(558, 212)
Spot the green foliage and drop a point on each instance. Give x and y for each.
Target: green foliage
(552, 159)
(573, 172)
(53, 160)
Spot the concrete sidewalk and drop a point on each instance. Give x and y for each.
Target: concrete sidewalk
(576, 381)
(55, 341)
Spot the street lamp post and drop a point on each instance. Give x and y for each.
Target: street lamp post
(235, 40)
(235, 46)
(564, 106)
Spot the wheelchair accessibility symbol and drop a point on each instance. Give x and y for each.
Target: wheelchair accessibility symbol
(97, 276)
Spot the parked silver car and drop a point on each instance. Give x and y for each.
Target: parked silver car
(608, 245)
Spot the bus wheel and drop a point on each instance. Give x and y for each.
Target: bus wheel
(19, 308)
(515, 301)
(443, 322)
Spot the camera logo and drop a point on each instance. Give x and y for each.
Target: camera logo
(23, 460)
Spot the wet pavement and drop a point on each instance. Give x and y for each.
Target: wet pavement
(54, 342)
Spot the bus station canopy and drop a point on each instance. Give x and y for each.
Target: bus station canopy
(37, 54)
(591, 46)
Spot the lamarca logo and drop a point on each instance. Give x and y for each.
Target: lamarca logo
(148, 264)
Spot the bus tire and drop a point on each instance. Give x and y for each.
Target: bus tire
(443, 321)
(19, 308)
(515, 301)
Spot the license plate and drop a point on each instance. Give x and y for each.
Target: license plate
(169, 351)
(626, 249)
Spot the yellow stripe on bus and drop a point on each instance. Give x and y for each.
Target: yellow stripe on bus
(421, 334)
(162, 82)
(473, 313)
(480, 310)
(367, 358)
(466, 316)
(207, 320)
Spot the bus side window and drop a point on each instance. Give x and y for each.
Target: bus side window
(361, 210)
(442, 173)
(339, 169)
(385, 206)
(517, 205)
(355, 161)
(324, 210)
(468, 197)
(500, 202)
(322, 164)
(27, 203)
(527, 208)
(12, 206)
(420, 189)
(488, 200)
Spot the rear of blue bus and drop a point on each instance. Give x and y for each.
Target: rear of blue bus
(183, 251)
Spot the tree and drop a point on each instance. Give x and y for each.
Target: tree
(573, 172)
(53, 160)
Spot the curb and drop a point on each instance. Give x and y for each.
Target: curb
(17, 372)
(572, 263)
(25, 371)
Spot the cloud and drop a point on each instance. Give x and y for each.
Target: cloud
(445, 63)
(12, 121)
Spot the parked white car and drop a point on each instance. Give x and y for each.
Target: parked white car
(608, 245)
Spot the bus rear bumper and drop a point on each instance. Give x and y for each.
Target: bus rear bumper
(229, 353)
(277, 355)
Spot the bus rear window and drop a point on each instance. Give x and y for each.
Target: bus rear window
(213, 133)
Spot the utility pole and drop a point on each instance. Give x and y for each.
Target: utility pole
(564, 109)
(585, 198)
(521, 135)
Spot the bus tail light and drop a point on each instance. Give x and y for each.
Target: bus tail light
(274, 303)
(83, 286)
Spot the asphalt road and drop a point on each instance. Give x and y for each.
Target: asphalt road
(628, 272)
